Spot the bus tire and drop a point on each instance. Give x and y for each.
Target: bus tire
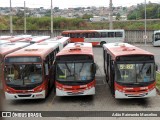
(101, 43)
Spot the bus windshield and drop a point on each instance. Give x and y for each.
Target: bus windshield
(23, 74)
(135, 73)
(75, 71)
(157, 36)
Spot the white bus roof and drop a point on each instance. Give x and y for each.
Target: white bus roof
(24, 36)
(5, 48)
(5, 37)
(39, 38)
(3, 42)
(156, 31)
(82, 44)
(61, 40)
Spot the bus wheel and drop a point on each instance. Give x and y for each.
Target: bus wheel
(103, 42)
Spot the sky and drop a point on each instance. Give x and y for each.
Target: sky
(72, 3)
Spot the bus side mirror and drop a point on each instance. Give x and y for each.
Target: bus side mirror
(46, 69)
(156, 67)
(95, 68)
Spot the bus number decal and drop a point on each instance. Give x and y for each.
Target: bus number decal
(126, 66)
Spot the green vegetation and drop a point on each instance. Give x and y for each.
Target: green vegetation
(43, 23)
(158, 80)
(152, 11)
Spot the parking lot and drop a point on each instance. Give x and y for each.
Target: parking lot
(102, 101)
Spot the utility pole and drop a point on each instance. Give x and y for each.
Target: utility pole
(145, 36)
(11, 26)
(51, 19)
(110, 16)
(24, 17)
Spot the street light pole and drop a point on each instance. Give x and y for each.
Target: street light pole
(51, 19)
(11, 26)
(110, 15)
(24, 17)
(145, 24)
(158, 13)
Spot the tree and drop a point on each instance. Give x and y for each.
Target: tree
(118, 16)
(87, 16)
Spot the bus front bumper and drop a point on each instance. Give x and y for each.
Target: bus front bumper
(121, 95)
(70, 93)
(19, 96)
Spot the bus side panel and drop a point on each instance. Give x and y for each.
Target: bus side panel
(77, 40)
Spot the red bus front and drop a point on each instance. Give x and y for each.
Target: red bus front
(75, 75)
(135, 78)
(24, 78)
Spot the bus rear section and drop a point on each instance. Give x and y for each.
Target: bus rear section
(156, 38)
(75, 70)
(27, 72)
(130, 71)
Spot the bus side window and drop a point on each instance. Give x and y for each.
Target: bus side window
(89, 35)
(110, 34)
(81, 35)
(72, 35)
(85, 35)
(97, 35)
(104, 34)
(118, 34)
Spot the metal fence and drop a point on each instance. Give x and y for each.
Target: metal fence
(132, 36)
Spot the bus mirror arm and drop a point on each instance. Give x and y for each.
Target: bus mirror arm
(156, 67)
(95, 67)
(46, 69)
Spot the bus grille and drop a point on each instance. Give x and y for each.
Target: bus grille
(71, 93)
(24, 95)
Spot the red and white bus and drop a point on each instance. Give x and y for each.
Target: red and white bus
(27, 71)
(62, 41)
(130, 71)
(75, 70)
(96, 37)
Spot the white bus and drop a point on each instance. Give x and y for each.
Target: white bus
(96, 37)
(156, 38)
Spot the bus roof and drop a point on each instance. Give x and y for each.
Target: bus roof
(11, 47)
(37, 49)
(123, 49)
(60, 40)
(5, 37)
(17, 38)
(156, 31)
(37, 39)
(89, 31)
(77, 49)
(3, 41)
